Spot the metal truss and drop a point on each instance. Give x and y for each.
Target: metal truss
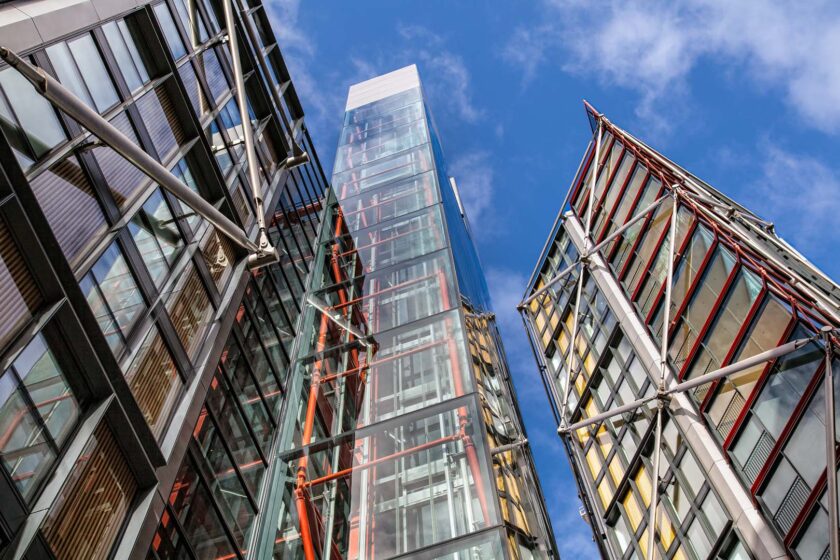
(679, 190)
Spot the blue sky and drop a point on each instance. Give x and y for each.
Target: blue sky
(744, 94)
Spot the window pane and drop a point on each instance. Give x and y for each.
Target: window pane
(191, 311)
(161, 121)
(93, 72)
(124, 180)
(170, 31)
(31, 120)
(71, 207)
(157, 237)
(118, 287)
(125, 51)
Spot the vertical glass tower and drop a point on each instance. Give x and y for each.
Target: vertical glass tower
(401, 435)
(679, 335)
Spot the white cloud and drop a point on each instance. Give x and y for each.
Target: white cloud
(652, 48)
(801, 195)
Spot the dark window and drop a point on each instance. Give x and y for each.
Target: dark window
(157, 237)
(37, 412)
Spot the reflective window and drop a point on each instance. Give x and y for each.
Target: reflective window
(80, 69)
(123, 179)
(170, 31)
(129, 61)
(724, 329)
(38, 410)
(161, 121)
(700, 306)
(156, 236)
(774, 405)
(113, 296)
(765, 333)
(27, 119)
(210, 68)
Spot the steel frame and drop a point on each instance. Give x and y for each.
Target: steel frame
(682, 188)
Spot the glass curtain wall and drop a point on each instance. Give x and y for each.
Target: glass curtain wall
(384, 450)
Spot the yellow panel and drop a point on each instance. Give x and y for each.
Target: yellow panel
(643, 483)
(594, 461)
(604, 441)
(616, 469)
(634, 513)
(605, 492)
(666, 530)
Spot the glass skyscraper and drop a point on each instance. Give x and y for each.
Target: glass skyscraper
(675, 329)
(400, 436)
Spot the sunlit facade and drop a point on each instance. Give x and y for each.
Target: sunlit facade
(401, 436)
(143, 368)
(742, 459)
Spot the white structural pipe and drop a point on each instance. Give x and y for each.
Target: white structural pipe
(64, 99)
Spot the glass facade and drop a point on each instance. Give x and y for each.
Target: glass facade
(729, 300)
(143, 367)
(401, 436)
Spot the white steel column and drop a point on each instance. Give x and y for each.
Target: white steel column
(663, 370)
(570, 358)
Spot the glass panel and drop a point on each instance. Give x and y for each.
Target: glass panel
(71, 207)
(27, 118)
(117, 286)
(157, 237)
(723, 331)
(161, 121)
(765, 333)
(37, 413)
(124, 180)
(125, 51)
(19, 295)
(698, 310)
(93, 72)
(170, 31)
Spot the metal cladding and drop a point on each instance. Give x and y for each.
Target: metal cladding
(677, 334)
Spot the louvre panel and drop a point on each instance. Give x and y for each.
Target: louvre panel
(161, 121)
(154, 382)
(731, 415)
(219, 255)
(190, 310)
(196, 95)
(792, 504)
(19, 297)
(759, 456)
(122, 177)
(71, 207)
(86, 518)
